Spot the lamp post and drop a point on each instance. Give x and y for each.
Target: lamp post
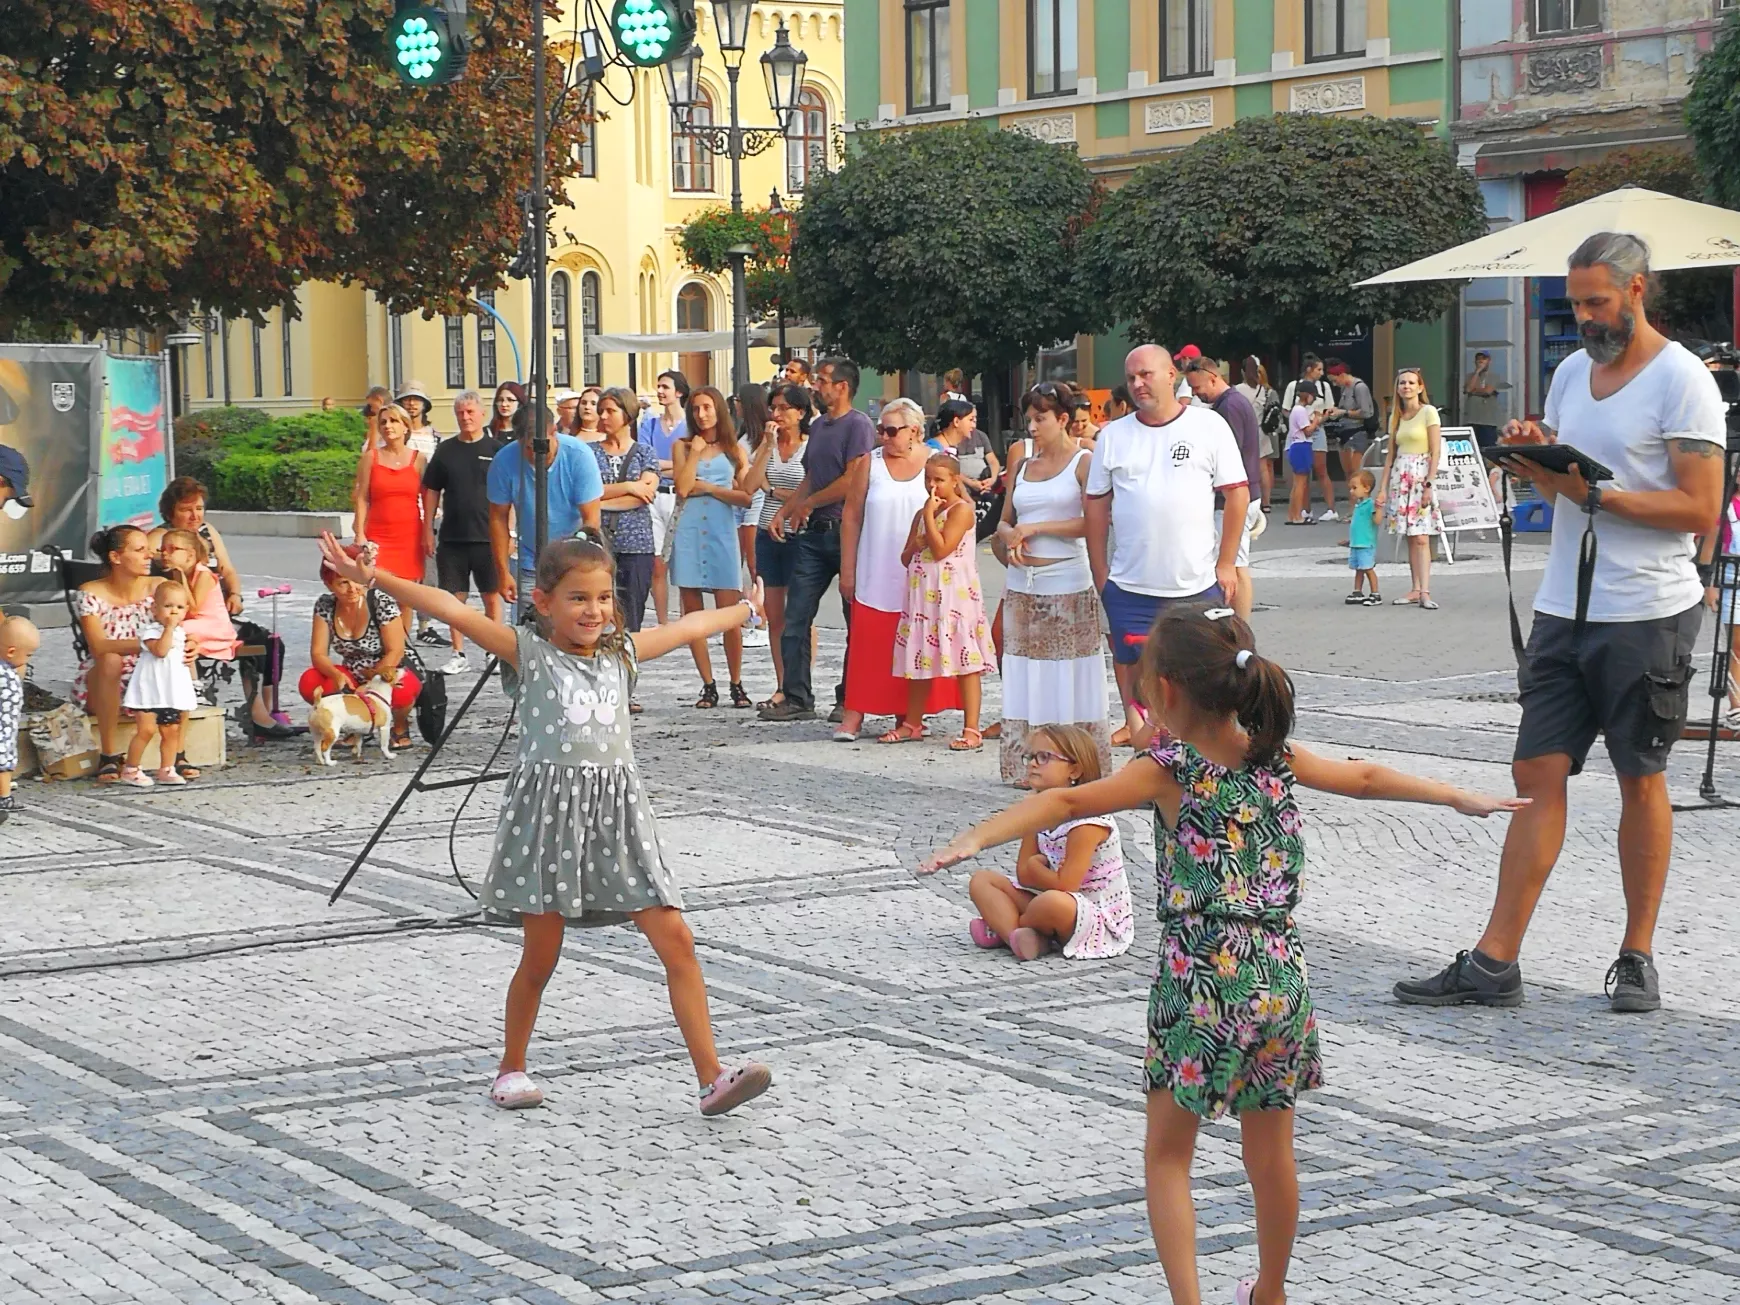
(783, 68)
(778, 209)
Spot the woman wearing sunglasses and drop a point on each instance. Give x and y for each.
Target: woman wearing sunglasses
(886, 492)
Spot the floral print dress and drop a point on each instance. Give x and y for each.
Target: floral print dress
(119, 621)
(1230, 1021)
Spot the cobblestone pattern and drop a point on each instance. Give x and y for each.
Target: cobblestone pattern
(213, 1087)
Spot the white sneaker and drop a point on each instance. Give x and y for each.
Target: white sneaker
(1328, 515)
(755, 637)
(457, 665)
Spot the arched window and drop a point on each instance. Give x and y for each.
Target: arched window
(691, 160)
(591, 365)
(561, 355)
(806, 140)
(695, 313)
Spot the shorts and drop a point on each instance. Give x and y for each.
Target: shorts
(1362, 559)
(1267, 446)
(664, 509)
(461, 567)
(1299, 458)
(1629, 680)
(164, 716)
(1244, 557)
(774, 559)
(1131, 615)
(1354, 437)
(1320, 440)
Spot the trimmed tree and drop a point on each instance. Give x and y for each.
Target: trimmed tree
(176, 153)
(1713, 116)
(1693, 301)
(946, 247)
(1252, 238)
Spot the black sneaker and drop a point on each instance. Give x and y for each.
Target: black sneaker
(838, 714)
(433, 637)
(1355, 599)
(1632, 984)
(787, 710)
(1374, 600)
(7, 807)
(1468, 978)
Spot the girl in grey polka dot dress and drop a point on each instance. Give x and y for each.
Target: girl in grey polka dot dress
(576, 840)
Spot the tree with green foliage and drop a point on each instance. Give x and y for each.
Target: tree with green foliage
(946, 247)
(1713, 116)
(1694, 302)
(158, 156)
(1251, 238)
(707, 238)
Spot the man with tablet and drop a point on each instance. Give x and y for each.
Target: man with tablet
(1618, 660)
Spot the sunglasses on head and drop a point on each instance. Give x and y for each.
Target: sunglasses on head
(1048, 388)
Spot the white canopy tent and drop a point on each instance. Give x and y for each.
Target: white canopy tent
(1679, 232)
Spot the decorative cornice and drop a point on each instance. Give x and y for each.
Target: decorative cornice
(1052, 128)
(1338, 96)
(1178, 115)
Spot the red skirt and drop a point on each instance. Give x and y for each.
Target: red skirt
(871, 684)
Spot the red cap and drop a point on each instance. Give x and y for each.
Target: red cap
(1338, 369)
(1185, 354)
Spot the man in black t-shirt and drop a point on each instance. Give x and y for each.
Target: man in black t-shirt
(459, 472)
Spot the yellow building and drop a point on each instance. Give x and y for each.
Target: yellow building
(614, 265)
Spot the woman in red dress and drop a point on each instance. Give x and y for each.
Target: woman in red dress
(389, 500)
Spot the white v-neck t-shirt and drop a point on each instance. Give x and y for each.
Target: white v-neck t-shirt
(1162, 481)
(1641, 573)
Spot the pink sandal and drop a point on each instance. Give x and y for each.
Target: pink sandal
(1028, 944)
(969, 740)
(904, 733)
(984, 935)
(516, 1091)
(735, 1086)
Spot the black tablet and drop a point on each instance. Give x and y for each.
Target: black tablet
(1554, 457)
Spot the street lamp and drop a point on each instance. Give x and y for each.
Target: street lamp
(777, 208)
(783, 67)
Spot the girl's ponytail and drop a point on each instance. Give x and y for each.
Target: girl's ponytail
(1266, 706)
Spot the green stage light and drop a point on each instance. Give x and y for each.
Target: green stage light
(427, 47)
(651, 32)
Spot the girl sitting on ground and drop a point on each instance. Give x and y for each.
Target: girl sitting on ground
(1230, 1019)
(943, 633)
(576, 841)
(1069, 889)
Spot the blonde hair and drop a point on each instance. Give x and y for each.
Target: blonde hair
(1074, 743)
(167, 590)
(1396, 407)
(393, 410)
(1363, 477)
(188, 539)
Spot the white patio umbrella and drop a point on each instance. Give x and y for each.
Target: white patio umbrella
(1679, 233)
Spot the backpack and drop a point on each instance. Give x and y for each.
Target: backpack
(431, 698)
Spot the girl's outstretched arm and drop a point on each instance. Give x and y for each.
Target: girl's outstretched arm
(493, 637)
(1137, 784)
(704, 624)
(1367, 779)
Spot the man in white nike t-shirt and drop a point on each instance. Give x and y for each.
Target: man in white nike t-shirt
(1153, 478)
(1649, 411)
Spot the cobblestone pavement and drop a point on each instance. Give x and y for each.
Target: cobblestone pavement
(214, 1087)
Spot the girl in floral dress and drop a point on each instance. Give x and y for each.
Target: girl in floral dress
(943, 633)
(1069, 888)
(1230, 1020)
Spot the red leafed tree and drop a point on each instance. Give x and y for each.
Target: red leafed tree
(161, 154)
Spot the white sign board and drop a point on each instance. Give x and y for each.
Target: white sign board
(1464, 494)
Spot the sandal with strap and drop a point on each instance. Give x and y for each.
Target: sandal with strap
(765, 703)
(969, 740)
(400, 740)
(108, 768)
(184, 769)
(709, 695)
(903, 733)
(516, 1091)
(739, 695)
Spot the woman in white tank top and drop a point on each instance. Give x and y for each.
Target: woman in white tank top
(880, 507)
(1053, 657)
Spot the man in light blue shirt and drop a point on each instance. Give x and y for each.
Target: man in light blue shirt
(661, 427)
(573, 491)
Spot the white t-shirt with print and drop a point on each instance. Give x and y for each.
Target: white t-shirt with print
(1162, 481)
(1641, 573)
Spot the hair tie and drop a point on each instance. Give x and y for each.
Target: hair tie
(1244, 658)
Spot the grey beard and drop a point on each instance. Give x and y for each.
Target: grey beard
(1605, 343)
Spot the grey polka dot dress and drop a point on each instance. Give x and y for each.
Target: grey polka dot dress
(576, 835)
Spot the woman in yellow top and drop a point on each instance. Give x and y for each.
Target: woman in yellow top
(1404, 490)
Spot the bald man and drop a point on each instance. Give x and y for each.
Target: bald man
(1155, 475)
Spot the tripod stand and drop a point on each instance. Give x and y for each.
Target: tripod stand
(1726, 580)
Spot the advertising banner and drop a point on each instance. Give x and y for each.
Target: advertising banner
(135, 457)
(1463, 491)
(51, 410)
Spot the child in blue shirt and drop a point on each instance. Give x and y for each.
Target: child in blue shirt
(1362, 540)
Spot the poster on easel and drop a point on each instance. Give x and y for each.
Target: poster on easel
(1461, 486)
(135, 455)
(51, 407)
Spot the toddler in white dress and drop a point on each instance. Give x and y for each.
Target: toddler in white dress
(161, 688)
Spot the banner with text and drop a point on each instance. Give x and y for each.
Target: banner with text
(135, 457)
(51, 409)
(1464, 493)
